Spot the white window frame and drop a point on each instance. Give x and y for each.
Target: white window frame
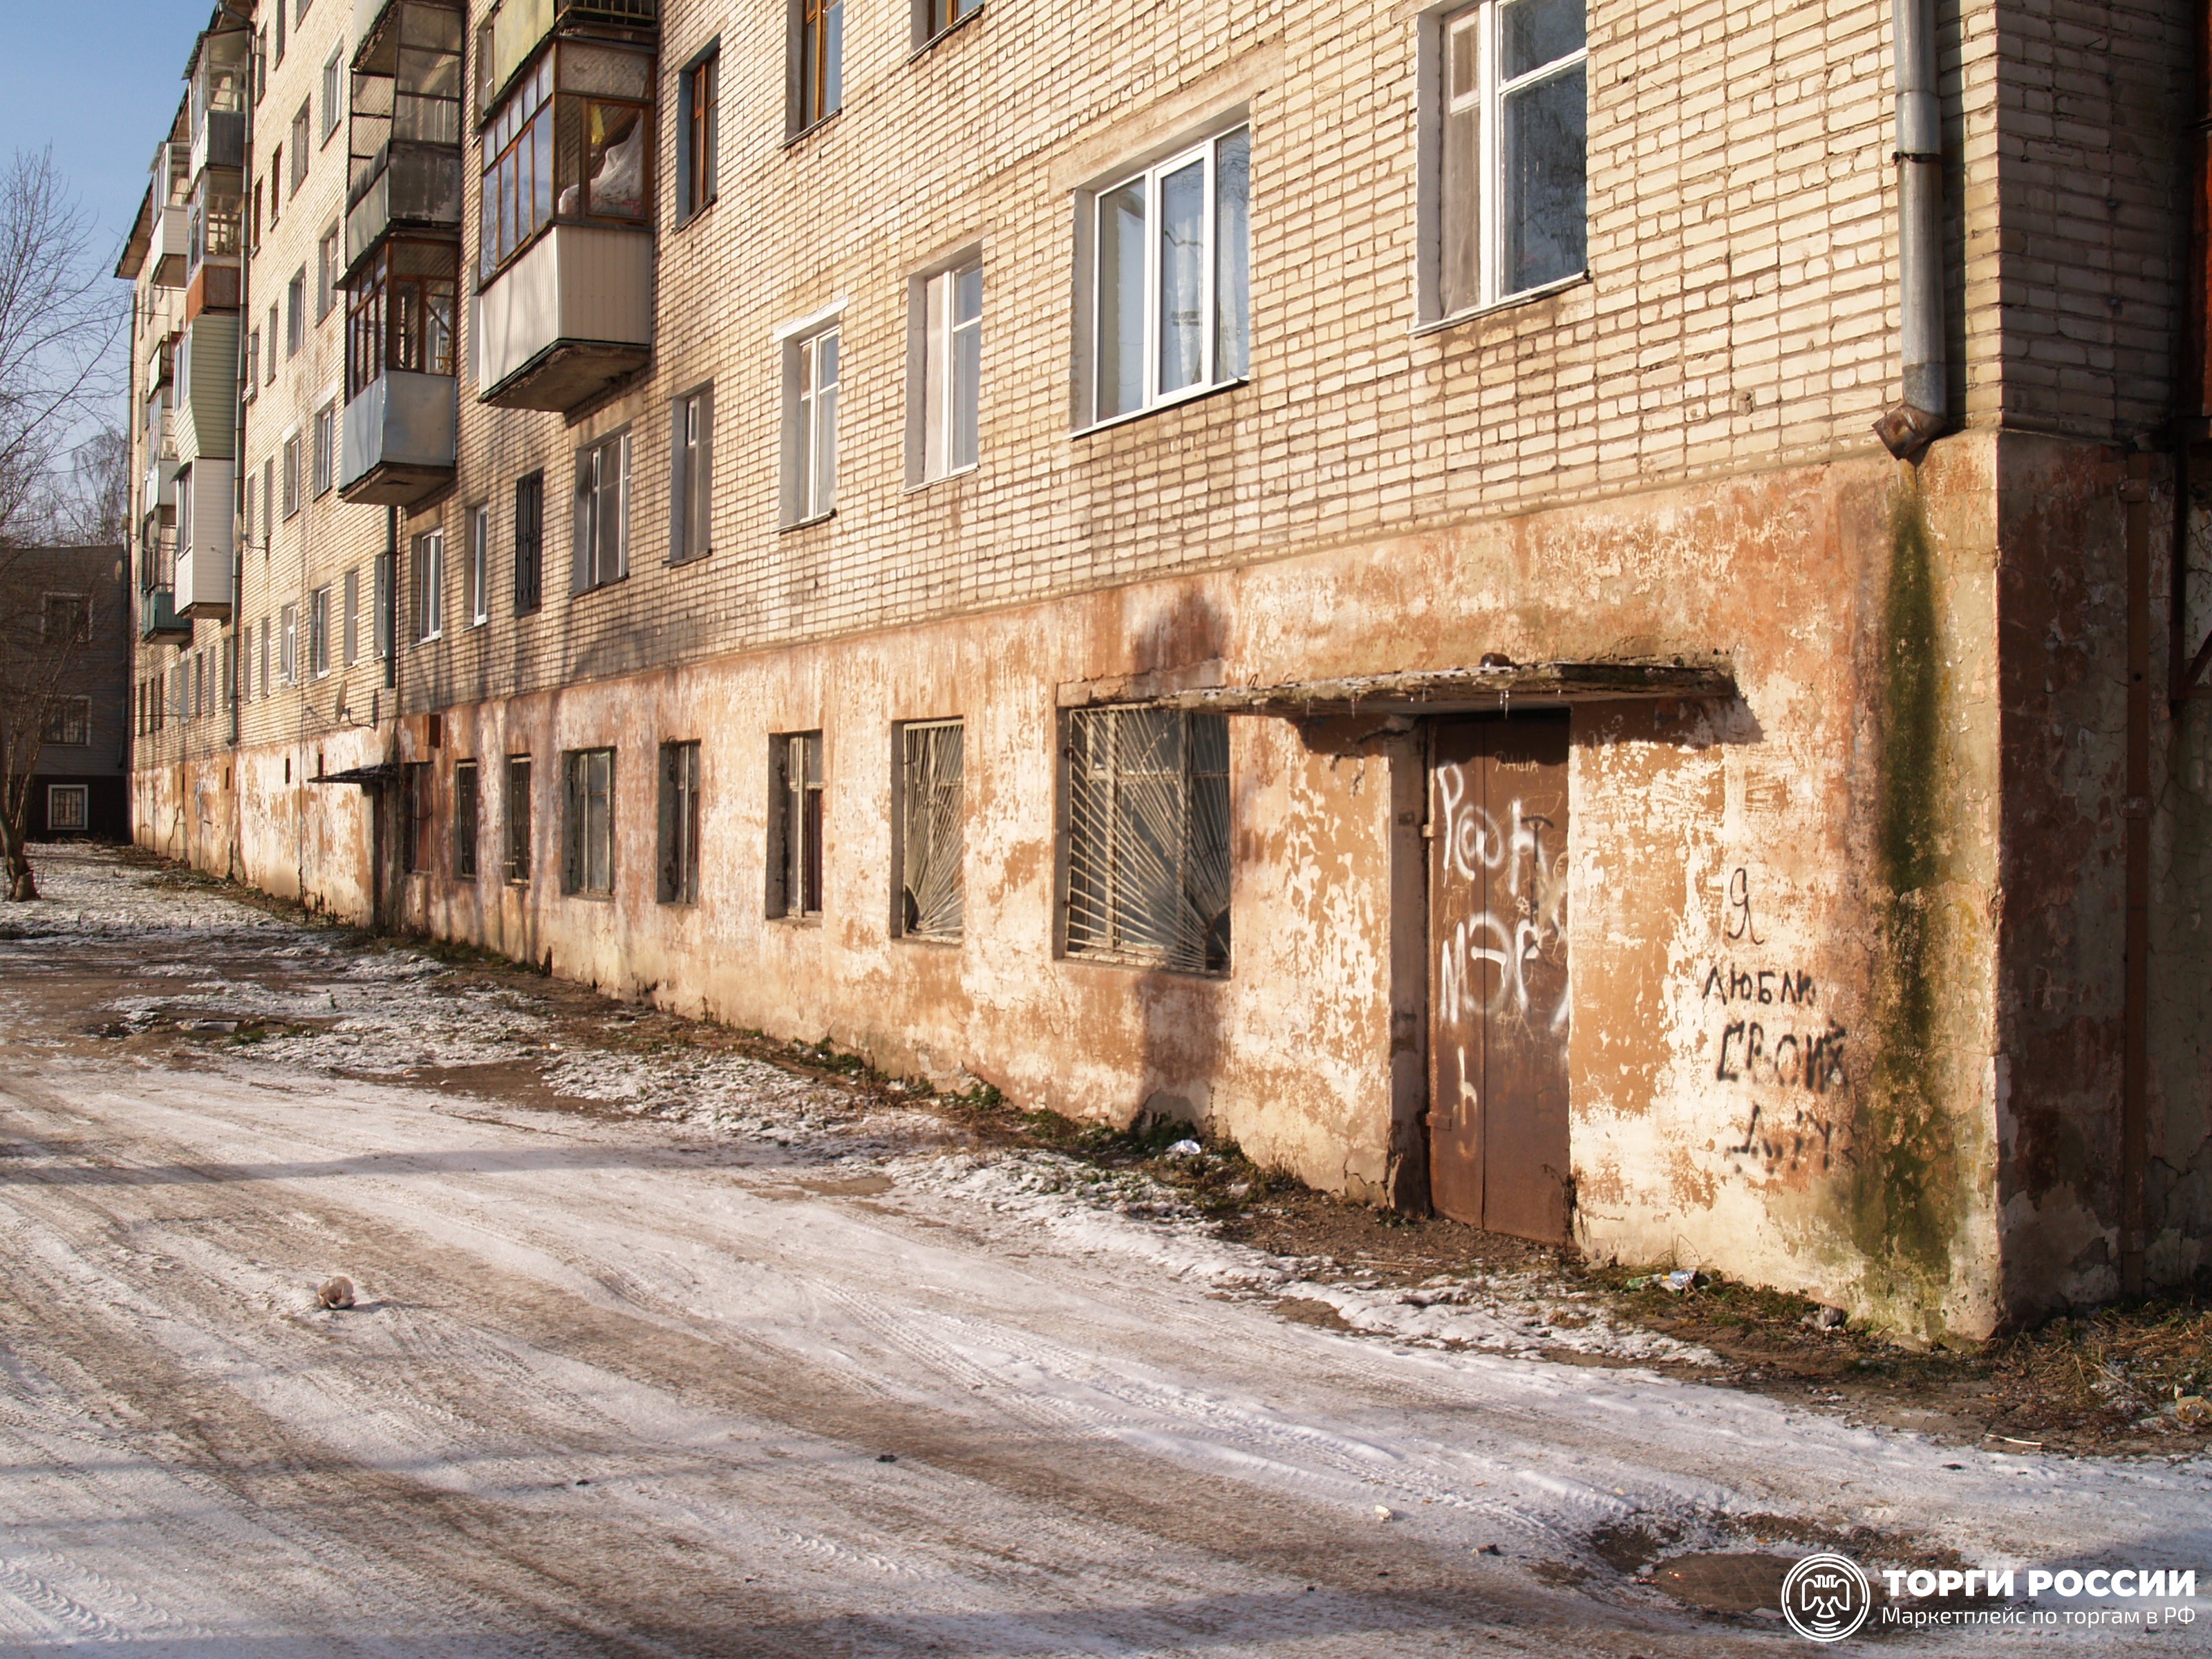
(937, 410)
(319, 632)
(430, 587)
(809, 425)
(289, 643)
(327, 273)
(1479, 22)
(290, 451)
(333, 91)
(327, 447)
(479, 571)
(1207, 151)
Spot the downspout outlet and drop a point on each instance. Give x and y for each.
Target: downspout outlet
(1926, 412)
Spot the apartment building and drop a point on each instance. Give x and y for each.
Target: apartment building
(1328, 574)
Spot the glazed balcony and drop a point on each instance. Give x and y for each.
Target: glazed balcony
(404, 129)
(158, 618)
(571, 315)
(397, 440)
(169, 251)
(206, 418)
(158, 491)
(204, 548)
(216, 102)
(518, 27)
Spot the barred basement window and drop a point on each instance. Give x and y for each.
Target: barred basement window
(588, 822)
(1148, 838)
(930, 893)
(518, 818)
(66, 806)
(415, 816)
(464, 820)
(794, 826)
(679, 824)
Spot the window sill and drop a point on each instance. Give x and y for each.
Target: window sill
(1143, 964)
(689, 219)
(811, 919)
(1476, 312)
(807, 524)
(792, 140)
(592, 895)
(943, 35)
(953, 477)
(1195, 394)
(933, 941)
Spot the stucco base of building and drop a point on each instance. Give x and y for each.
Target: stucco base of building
(1845, 948)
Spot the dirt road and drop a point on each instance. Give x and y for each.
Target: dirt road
(782, 1373)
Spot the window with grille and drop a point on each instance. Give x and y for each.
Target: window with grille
(601, 550)
(1508, 191)
(795, 825)
(1170, 280)
(932, 755)
(518, 818)
(464, 820)
(67, 807)
(817, 76)
(415, 807)
(1147, 827)
(679, 824)
(691, 476)
(588, 828)
(528, 541)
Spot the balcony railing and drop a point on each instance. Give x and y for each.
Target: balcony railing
(219, 141)
(418, 187)
(569, 318)
(396, 439)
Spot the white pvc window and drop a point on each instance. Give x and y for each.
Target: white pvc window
(1170, 279)
(810, 471)
(1514, 149)
(952, 369)
(479, 574)
(430, 585)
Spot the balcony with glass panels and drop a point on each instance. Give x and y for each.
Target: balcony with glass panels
(564, 302)
(404, 134)
(397, 438)
(216, 97)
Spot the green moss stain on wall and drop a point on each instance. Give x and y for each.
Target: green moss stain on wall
(1905, 1198)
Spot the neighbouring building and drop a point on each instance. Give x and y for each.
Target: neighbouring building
(1325, 572)
(67, 612)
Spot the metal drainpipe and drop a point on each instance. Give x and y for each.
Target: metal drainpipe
(1925, 411)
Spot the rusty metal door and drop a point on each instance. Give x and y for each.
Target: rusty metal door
(1497, 996)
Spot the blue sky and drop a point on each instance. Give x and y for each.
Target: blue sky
(98, 80)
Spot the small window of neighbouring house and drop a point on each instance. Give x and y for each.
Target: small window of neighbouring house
(66, 619)
(518, 818)
(1508, 197)
(679, 824)
(1147, 827)
(696, 118)
(817, 76)
(464, 820)
(67, 808)
(795, 825)
(68, 722)
(587, 863)
(415, 808)
(810, 426)
(951, 370)
(1170, 284)
(691, 476)
(601, 550)
(932, 755)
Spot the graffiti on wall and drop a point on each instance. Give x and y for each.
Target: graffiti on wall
(1773, 1041)
(1523, 851)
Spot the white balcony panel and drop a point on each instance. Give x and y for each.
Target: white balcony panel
(204, 546)
(584, 293)
(207, 386)
(172, 226)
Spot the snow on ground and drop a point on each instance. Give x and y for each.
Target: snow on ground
(757, 1365)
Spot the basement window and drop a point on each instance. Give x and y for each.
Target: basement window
(587, 863)
(465, 815)
(932, 755)
(679, 824)
(794, 821)
(518, 818)
(1148, 817)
